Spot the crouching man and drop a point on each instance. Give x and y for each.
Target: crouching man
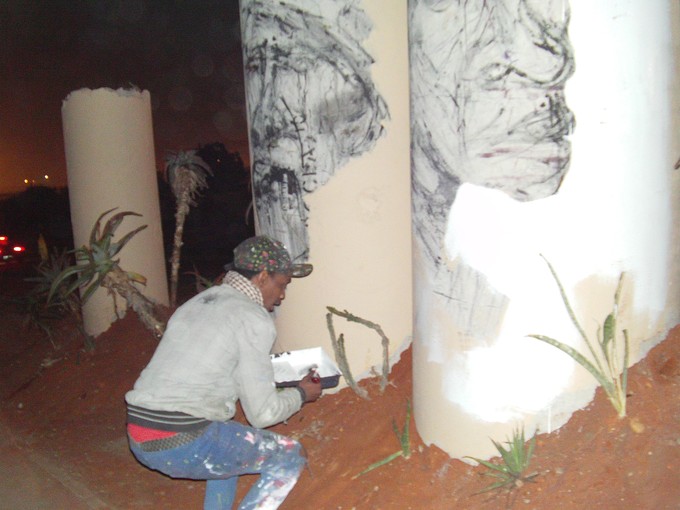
(214, 352)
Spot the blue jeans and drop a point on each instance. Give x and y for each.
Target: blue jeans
(222, 453)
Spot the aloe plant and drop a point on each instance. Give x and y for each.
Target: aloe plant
(187, 174)
(96, 267)
(404, 437)
(48, 271)
(604, 365)
(514, 462)
(42, 309)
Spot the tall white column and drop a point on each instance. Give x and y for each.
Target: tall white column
(108, 137)
(502, 174)
(327, 89)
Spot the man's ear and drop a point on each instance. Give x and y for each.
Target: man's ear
(260, 278)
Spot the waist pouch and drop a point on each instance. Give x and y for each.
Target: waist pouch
(187, 427)
(168, 443)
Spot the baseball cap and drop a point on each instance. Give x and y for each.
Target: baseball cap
(264, 253)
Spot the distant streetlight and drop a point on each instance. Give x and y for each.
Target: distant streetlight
(31, 182)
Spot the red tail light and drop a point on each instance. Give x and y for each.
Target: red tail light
(18, 249)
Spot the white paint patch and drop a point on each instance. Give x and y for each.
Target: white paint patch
(508, 380)
(612, 214)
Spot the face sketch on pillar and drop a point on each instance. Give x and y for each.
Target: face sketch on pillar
(312, 104)
(488, 103)
(281, 210)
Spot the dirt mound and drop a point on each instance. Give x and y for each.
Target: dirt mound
(67, 406)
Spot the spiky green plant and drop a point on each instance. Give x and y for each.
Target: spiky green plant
(38, 314)
(187, 175)
(96, 267)
(404, 437)
(39, 310)
(514, 462)
(604, 365)
(48, 270)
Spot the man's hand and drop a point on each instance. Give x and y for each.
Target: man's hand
(311, 384)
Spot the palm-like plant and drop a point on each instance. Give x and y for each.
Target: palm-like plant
(187, 174)
(96, 266)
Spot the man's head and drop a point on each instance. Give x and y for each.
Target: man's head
(267, 264)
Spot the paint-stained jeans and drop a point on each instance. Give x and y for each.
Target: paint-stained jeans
(225, 451)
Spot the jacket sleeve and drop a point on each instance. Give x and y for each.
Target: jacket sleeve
(263, 404)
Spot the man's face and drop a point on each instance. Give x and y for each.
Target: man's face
(273, 288)
(490, 94)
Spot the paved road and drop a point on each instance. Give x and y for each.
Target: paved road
(30, 481)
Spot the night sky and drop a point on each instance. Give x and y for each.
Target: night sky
(186, 53)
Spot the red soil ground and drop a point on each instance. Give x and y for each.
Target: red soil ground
(65, 407)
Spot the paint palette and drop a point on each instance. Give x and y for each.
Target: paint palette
(291, 366)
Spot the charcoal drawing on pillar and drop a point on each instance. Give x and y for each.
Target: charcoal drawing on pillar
(487, 108)
(312, 104)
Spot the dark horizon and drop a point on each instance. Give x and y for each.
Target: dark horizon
(186, 54)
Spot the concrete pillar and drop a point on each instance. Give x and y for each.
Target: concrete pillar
(502, 174)
(108, 137)
(327, 97)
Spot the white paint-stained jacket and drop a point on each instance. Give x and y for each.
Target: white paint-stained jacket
(214, 352)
